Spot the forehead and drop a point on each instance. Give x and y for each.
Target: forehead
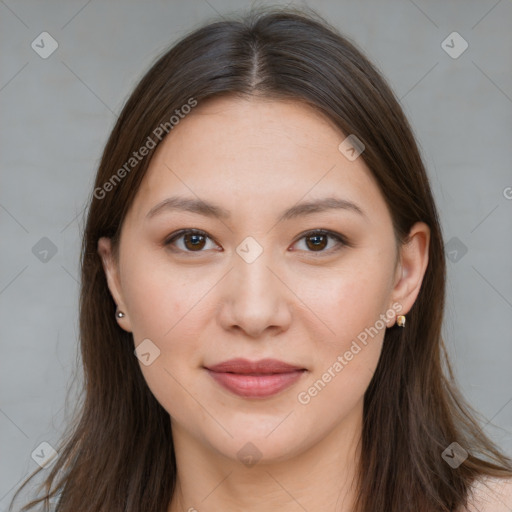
(254, 152)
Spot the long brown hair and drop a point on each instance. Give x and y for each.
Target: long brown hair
(117, 455)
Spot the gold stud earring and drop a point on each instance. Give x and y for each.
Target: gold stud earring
(400, 320)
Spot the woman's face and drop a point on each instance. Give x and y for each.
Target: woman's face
(258, 282)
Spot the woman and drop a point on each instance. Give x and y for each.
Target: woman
(262, 294)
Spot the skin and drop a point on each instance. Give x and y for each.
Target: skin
(305, 306)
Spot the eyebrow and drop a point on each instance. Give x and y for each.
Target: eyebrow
(202, 207)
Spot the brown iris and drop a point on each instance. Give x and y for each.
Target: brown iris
(317, 242)
(196, 240)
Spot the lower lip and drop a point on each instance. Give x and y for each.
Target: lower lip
(256, 386)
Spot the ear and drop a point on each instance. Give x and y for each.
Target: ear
(413, 261)
(111, 268)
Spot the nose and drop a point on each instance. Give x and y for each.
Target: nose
(255, 299)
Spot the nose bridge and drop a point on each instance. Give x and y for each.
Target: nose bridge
(252, 272)
(256, 298)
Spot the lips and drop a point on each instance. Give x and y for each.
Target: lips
(255, 379)
(263, 366)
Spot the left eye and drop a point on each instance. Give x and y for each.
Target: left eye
(194, 240)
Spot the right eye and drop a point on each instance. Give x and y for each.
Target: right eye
(193, 240)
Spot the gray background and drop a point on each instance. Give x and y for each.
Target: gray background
(56, 116)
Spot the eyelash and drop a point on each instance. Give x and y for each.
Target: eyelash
(342, 241)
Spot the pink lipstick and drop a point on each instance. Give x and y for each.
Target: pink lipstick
(255, 379)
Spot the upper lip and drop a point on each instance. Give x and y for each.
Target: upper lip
(263, 366)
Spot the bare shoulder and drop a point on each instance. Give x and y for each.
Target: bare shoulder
(490, 494)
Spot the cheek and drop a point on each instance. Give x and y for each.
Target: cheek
(359, 302)
(167, 308)
(157, 299)
(347, 352)
(344, 361)
(350, 302)
(161, 308)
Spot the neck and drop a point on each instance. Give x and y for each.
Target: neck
(321, 477)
